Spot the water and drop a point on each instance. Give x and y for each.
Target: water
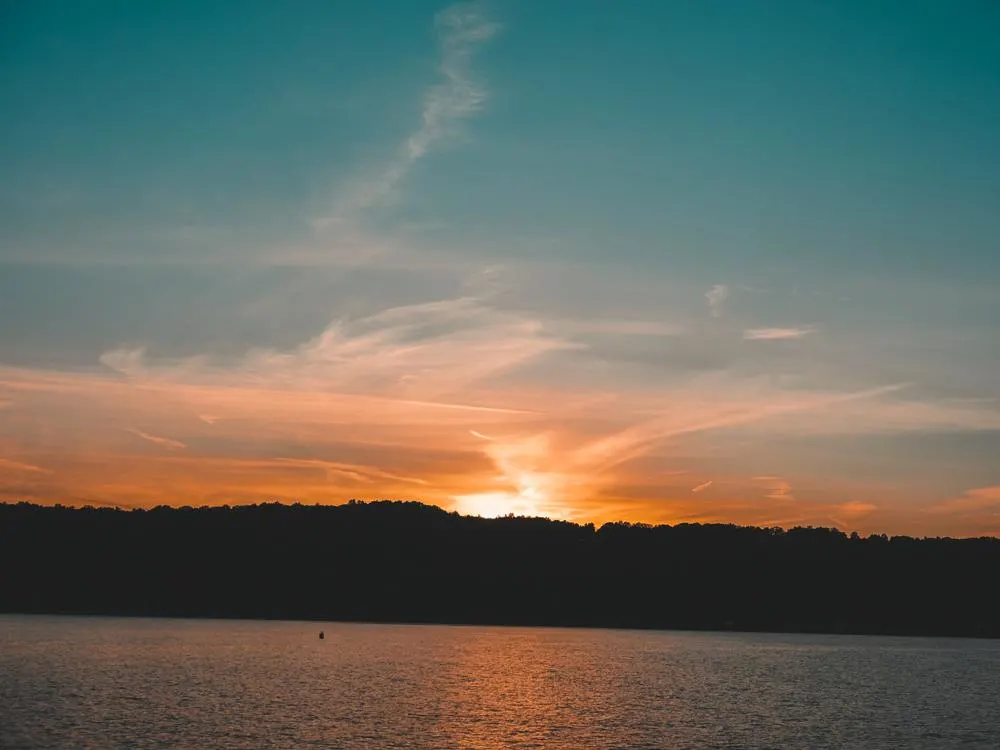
(79, 682)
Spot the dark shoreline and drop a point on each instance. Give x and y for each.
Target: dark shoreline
(407, 563)
(513, 626)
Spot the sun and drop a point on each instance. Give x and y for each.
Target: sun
(527, 502)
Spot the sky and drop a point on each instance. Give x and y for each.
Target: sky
(688, 261)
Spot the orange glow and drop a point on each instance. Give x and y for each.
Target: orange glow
(495, 505)
(185, 440)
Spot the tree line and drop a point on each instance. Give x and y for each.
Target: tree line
(391, 561)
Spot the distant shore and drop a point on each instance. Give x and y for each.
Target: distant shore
(414, 623)
(404, 562)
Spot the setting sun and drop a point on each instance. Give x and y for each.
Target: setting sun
(494, 505)
(531, 500)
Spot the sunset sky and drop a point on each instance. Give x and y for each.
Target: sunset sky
(696, 260)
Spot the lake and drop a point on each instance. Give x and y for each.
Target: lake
(95, 682)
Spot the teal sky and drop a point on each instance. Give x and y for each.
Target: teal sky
(726, 260)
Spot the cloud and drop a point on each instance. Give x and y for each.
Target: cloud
(711, 411)
(891, 416)
(462, 29)
(982, 498)
(551, 464)
(855, 508)
(453, 397)
(174, 445)
(848, 515)
(777, 488)
(353, 472)
(124, 360)
(495, 445)
(7, 464)
(424, 352)
(777, 334)
(617, 327)
(717, 297)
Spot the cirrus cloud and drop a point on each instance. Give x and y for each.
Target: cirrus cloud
(777, 334)
(462, 28)
(717, 297)
(163, 442)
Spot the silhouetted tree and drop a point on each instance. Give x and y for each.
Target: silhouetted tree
(409, 562)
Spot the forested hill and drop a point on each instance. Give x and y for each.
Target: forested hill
(408, 562)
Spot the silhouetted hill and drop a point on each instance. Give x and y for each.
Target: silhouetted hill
(408, 562)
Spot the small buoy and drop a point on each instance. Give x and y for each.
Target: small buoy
(321, 636)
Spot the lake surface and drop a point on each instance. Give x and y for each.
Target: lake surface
(94, 682)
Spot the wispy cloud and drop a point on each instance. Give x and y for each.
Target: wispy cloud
(711, 414)
(717, 297)
(462, 29)
(127, 361)
(618, 327)
(777, 334)
(354, 472)
(849, 514)
(425, 351)
(855, 508)
(531, 448)
(163, 442)
(7, 464)
(475, 399)
(776, 488)
(978, 499)
(549, 464)
(899, 415)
